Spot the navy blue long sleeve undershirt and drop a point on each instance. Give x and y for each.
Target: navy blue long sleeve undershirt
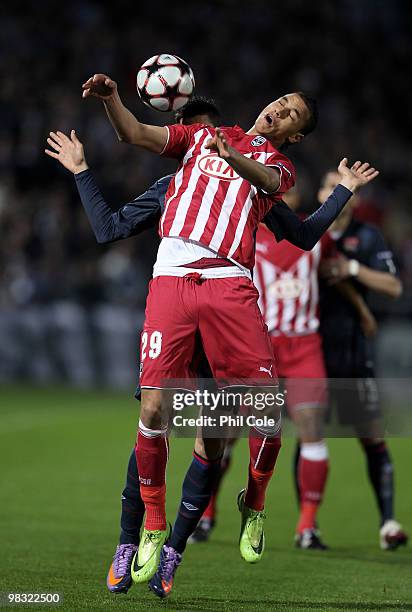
(131, 219)
(284, 223)
(145, 211)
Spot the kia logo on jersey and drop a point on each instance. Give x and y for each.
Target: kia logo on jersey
(286, 288)
(214, 166)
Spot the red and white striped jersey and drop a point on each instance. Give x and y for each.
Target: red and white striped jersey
(208, 202)
(287, 280)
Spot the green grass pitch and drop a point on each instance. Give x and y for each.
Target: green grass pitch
(63, 456)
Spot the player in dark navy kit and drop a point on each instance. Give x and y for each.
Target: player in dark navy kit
(130, 220)
(362, 256)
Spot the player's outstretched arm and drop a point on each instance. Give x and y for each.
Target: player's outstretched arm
(281, 220)
(127, 127)
(261, 176)
(131, 219)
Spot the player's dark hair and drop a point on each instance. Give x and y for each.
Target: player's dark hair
(312, 107)
(199, 105)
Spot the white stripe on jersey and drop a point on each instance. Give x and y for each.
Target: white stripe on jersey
(288, 309)
(224, 215)
(179, 181)
(204, 210)
(242, 221)
(303, 270)
(313, 319)
(272, 304)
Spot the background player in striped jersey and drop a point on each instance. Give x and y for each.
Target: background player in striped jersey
(131, 219)
(202, 285)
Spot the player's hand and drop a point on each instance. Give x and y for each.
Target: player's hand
(100, 86)
(69, 151)
(335, 269)
(368, 323)
(219, 144)
(360, 174)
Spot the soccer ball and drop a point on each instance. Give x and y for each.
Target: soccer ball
(165, 82)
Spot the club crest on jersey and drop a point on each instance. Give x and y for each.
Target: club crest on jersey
(259, 140)
(212, 165)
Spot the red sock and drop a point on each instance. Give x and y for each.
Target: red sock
(263, 454)
(210, 511)
(151, 456)
(312, 476)
(307, 517)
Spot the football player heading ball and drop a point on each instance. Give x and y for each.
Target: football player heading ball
(204, 264)
(136, 216)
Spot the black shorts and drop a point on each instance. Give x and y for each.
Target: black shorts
(353, 390)
(356, 400)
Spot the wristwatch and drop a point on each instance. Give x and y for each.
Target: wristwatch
(353, 267)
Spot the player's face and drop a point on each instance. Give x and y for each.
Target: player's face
(283, 119)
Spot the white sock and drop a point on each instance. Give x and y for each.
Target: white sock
(314, 451)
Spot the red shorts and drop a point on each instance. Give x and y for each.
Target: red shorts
(299, 361)
(224, 313)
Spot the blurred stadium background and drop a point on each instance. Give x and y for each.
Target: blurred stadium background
(71, 310)
(78, 306)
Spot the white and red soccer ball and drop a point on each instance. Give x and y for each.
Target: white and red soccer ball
(165, 82)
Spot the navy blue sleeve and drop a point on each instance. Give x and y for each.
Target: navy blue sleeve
(131, 219)
(378, 256)
(305, 233)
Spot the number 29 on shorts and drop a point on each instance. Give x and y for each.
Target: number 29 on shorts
(151, 344)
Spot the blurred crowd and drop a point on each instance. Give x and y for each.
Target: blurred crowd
(353, 56)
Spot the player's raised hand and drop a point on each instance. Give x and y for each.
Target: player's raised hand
(360, 174)
(219, 144)
(68, 151)
(100, 86)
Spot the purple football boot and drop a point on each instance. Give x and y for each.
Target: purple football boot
(162, 582)
(119, 579)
